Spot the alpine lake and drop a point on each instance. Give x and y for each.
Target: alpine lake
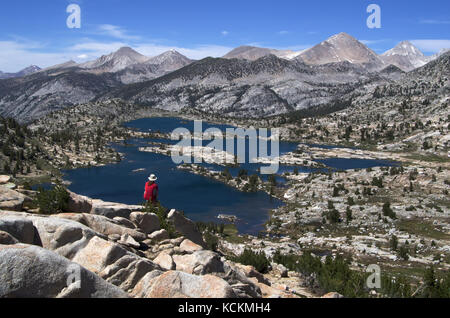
(200, 198)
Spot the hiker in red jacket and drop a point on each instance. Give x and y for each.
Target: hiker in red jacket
(151, 190)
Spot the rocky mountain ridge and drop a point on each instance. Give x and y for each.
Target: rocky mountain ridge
(343, 47)
(333, 72)
(26, 71)
(237, 87)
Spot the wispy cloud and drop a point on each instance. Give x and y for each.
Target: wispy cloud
(284, 32)
(432, 21)
(15, 56)
(431, 46)
(295, 48)
(116, 32)
(225, 33)
(370, 42)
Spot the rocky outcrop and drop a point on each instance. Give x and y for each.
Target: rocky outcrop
(11, 200)
(175, 284)
(187, 246)
(251, 272)
(241, 284)
(332, 295)
(104, 225)
(124, 222)
(127, 240)
(65, 237)
(18, 227)
(79, 203)
(165, 261)
(112, 209)
(81, 244)
(185, 227)
(199, 263)
(7, 239)
(113, 263)
(160, 235)
(4, 179)
(115, 252)
(31, 271)
(146, 222)
(279, 270)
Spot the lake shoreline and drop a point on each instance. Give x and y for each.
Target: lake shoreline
(140, 136)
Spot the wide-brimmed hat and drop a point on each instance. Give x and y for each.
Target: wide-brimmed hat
(152, 177)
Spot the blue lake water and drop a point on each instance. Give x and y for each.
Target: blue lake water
(200, 198)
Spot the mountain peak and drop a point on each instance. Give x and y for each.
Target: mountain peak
(26, 71)
(406, 42)
(342, 39)
(251, 53)
(342, 35)
(404, 48)
(171, 52)
(405, 56)
(341, 47)
(169, 60)
(127, 51)
(116, 61)
(30, 69)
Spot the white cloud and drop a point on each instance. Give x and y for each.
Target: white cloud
(15, 56)
(431, 46)
(256, 44)
(116, 32)
(283, 32)
(369, 42)
(225, 33)
(295, 48)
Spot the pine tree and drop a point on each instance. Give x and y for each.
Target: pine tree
(349, 215)
(393, 243)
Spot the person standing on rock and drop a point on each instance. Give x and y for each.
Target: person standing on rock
(151, 190)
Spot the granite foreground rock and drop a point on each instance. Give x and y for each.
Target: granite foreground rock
(11, 200)
(31, 271)
(175, 284)
(115, 256)
(186, 227)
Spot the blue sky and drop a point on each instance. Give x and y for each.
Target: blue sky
(35, 32)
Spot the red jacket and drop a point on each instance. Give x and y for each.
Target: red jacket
(151, 192)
